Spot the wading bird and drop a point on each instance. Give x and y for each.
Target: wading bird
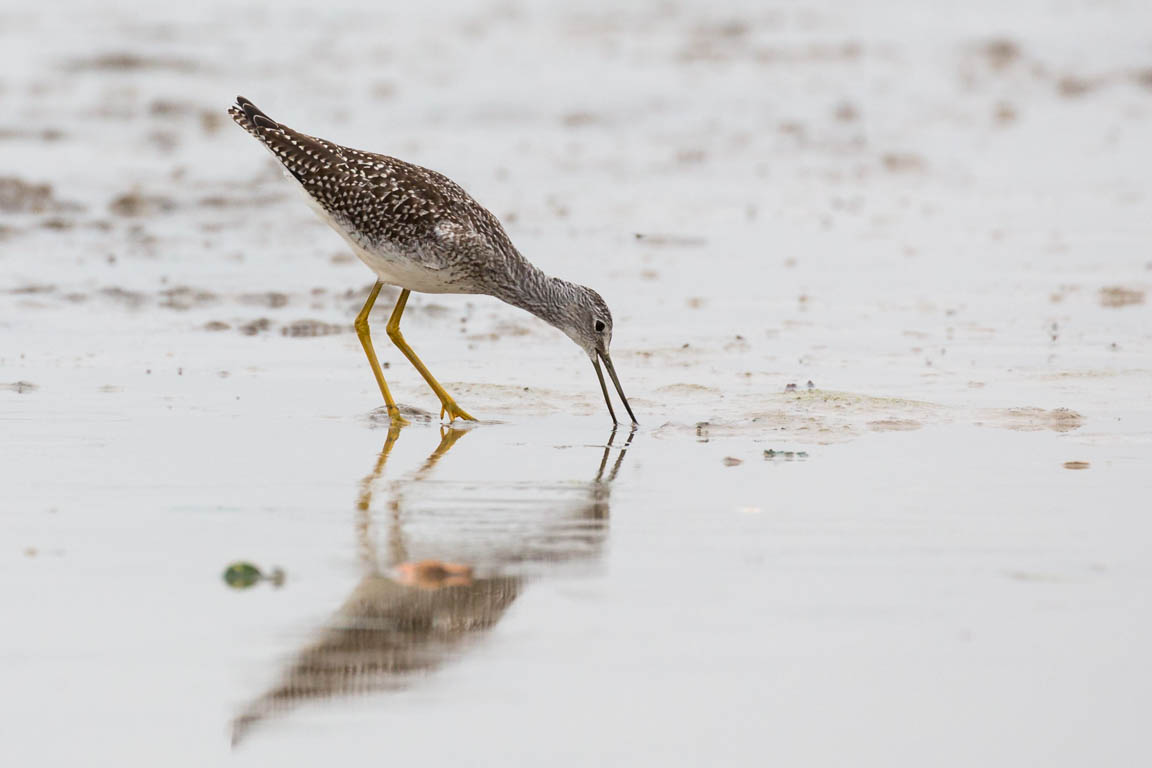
(418, 230)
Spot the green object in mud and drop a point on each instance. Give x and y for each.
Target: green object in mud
(242, 575)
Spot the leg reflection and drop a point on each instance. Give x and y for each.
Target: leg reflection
(397, 622)
(406, 617)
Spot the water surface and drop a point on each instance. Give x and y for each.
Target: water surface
(643, 597)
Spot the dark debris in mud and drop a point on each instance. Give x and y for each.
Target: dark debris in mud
(31, 134)
(123, 61)
(253, 327)
(32, 288)
(140, 204)
(269, 299)
(130, 299)
(184, 298)
(20, 196)
(774, 455)
(309, 328)
(1115, 296)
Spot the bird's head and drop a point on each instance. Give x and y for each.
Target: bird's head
(586, 319)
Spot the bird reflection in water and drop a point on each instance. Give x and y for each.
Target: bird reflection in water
(409, 616)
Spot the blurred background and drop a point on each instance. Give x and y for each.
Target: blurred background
(724, 174)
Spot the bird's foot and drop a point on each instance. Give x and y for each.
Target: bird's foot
(449, 406)
(395, 417)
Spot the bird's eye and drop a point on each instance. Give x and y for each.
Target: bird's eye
(599, 326)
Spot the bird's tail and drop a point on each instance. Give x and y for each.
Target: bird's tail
(301, 154)
(249, 117)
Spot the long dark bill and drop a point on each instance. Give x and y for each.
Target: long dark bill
(604, 389)
(619, 389)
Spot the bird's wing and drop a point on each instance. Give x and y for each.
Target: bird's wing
(379, 199)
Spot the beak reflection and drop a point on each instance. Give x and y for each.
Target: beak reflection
(411, 614)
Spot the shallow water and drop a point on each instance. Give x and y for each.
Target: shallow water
(644, 597)
(879, 278)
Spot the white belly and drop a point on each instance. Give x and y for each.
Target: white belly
(392, 266)
(401, 269)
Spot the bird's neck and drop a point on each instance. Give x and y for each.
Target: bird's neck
(533, 291)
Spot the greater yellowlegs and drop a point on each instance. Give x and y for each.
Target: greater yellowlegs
(418, 230)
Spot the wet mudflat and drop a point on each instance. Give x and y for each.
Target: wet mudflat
(880, 285)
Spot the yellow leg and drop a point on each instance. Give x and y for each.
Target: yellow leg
(361, 326)
(447, 404)
(448, 438)
(365, 530)
(397, 541)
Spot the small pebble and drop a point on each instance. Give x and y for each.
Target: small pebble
(732, 461)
